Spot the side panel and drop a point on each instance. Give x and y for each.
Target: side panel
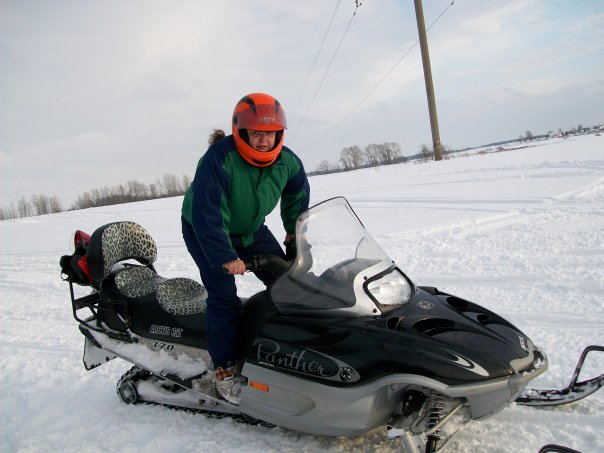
(303, 405)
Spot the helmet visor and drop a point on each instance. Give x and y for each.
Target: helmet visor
(261, 117)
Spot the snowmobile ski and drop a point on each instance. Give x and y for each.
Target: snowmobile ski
(575, 391)
(553, 448)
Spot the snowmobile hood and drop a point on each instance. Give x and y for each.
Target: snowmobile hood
(458, 334)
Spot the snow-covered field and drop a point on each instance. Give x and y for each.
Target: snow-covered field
(520, 232)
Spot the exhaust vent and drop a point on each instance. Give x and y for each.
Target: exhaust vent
(457, 303)
(434, 326)
(469, 310)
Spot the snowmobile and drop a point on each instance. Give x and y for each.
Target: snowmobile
(341, 343)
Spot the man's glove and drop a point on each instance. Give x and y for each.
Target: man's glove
(290, 247)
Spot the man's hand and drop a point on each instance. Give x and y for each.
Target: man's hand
(289, 239)
(235, 267)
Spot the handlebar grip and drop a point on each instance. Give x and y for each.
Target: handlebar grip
(259, 262)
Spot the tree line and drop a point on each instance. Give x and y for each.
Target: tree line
(373, 155)
(37, 204)
(166, 186)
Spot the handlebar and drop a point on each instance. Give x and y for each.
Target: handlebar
(272, 262)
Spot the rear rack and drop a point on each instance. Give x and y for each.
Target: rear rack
(94, 321)
(90, 302)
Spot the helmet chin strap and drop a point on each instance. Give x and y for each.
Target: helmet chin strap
(255, 157)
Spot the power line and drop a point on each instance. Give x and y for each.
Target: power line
(345, 117)
(357, 4)
(316, 58)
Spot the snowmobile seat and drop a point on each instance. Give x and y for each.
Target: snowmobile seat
(141, 285)
(135, 292)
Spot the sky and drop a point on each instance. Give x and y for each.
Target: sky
(98, 93)
(519, 232)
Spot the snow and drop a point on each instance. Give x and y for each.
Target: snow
(519, 232)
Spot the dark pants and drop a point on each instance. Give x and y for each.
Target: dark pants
(223, 305)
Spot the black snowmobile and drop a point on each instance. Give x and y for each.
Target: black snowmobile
(342, 342)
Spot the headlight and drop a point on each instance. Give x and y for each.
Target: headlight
(389, 290)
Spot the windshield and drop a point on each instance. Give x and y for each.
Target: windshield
(339, 268)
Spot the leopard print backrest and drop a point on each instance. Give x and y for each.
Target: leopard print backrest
(119, 241)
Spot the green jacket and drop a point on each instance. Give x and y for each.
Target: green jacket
(229, 197)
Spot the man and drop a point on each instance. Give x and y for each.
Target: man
(238, 182)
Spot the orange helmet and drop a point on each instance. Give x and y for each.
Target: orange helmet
(259, 112)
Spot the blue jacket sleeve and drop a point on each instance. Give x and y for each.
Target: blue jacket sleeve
(210, 212)
(295, 196)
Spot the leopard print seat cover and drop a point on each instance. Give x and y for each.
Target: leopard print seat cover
(137, 281)
(178, 296)
(181, 296)
(125, 240)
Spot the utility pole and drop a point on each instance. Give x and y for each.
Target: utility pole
(423, 42)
